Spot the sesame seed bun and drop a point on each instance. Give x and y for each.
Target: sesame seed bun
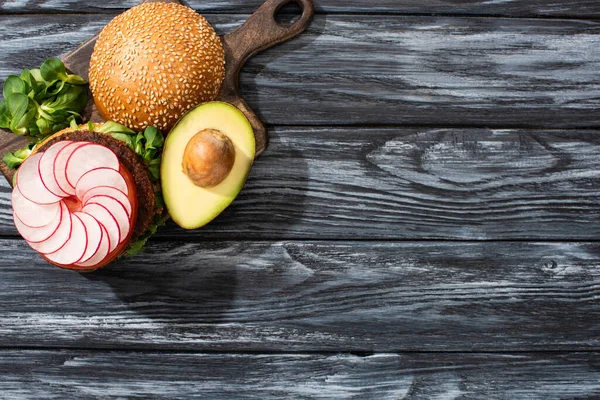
(153, 63)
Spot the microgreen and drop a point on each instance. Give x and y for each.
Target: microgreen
(42, 101)
(14, 160)
(138, 246)
(4, 115)
(54, 69)
(147, 144)
(14, 84)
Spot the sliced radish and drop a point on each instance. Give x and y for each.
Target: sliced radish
(103, 251)
(32, 214)
(89, 157)
(110, 192)
(58, 239)
(36, 235)
(107, 220)
(46, 167)
(60, 166)
(94, 235)
(75, 247)
(100, 177)
(117, 210)
(30, 182)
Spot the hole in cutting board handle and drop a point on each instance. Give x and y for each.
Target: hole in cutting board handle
(289, 12)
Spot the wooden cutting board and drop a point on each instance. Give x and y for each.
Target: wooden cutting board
(260, 32)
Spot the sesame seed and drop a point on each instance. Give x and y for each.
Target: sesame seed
(157, 76)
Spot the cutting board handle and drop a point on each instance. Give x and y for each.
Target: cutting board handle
(260, 32)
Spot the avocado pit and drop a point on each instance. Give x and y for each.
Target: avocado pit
(208, 158)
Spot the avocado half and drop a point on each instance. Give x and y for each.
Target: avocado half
(192, 206)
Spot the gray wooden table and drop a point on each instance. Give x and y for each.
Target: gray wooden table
(424, 224)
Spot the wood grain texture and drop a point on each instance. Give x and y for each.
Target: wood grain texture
(258, 33)
(310, 296)
(247, 296)
(388, 69)
(511, 8)
(393, 183)
(93, 375)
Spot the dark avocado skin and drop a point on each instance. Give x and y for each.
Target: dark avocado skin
(130, 160)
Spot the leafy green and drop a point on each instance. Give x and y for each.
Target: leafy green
(154, 138)
(124, 137)
(138, 144)
(21, 112)
(147, 144)
(119, 132)
(24, 123)
(111, 126)
(44, 126)
(15, 159)
(154, 168)
(36, 74)
(66, 99)
(4, 115)
(13, 84)
(42, 101)
(154, 142)
(17, 105)
(30, 82)
(160, 201)
(138, 246)
(54, 69)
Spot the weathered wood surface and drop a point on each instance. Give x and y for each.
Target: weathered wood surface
(326, 183)
(92, 375)
(310, 296)
(512, 8)
(349, 69)
(367, 192)
(258, 33)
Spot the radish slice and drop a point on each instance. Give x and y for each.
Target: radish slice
(88, 157)
(47, 163)
(32, 214)
(100, 177)
(103, 251)
(36, 235)
(58, 239)
(117, 210)
(110, 192)
(94, 235)
(30, 182)
(107, 220)
(75, 247)
(60, 166)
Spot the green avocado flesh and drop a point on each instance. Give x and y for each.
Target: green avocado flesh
(191, 206)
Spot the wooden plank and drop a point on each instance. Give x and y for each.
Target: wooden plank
(311, 296)
(389, 69)
(92, 375)
(512, 8)
(327, 183)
